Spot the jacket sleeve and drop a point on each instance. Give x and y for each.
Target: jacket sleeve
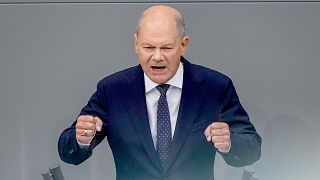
(68, 148)
(245, 141)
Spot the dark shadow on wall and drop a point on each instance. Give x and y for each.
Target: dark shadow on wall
(289, 149)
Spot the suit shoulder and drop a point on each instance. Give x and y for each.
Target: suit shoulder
(211, 74)
(120, 76)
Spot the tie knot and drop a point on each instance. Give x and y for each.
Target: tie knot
(163, 88)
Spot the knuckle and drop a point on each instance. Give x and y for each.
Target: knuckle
(81, 118)
(92, 126)
(86, 125)
(78, 125)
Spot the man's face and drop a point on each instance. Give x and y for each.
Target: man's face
(159, 49)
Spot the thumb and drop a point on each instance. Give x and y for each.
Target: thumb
(207, 133)
(98, 123)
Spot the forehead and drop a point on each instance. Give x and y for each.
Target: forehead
(158, 30)
(158, 37)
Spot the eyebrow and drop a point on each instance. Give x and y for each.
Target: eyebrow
(169, 44)
(146, 44)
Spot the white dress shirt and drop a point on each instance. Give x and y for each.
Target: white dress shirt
(173, 98)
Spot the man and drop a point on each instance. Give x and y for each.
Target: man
(165, 118)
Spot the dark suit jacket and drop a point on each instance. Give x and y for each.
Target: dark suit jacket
(206, 97)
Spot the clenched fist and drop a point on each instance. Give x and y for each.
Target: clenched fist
(219, 134)
(86, 128)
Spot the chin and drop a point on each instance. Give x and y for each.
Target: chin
(160, 80)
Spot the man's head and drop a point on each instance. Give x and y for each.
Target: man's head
(160, 41)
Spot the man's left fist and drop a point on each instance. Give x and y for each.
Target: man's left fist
(219, 134)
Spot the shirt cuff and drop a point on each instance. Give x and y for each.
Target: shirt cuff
(82, 145)
(226, 150)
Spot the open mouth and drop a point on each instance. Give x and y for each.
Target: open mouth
(158, 68)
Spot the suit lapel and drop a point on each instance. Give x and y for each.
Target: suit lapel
(190, 103)
(135, 102)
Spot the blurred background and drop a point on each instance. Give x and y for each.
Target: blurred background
(52, 54)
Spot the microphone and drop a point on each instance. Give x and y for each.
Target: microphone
(249, 175)
(54, 173)
(46, 176)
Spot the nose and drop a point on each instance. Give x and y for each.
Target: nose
(157, 56)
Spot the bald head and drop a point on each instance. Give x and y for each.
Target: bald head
(160, 42)
(161, 15)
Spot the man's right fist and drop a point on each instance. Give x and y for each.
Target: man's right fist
(86, 128)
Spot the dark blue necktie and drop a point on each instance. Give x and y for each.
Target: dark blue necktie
(164, 137)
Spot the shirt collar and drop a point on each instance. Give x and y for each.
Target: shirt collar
(176, 80)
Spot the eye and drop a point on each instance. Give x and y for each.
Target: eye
(147, 47)
(167, 48)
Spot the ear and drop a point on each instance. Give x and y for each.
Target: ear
(184, 45)
(136, 42)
